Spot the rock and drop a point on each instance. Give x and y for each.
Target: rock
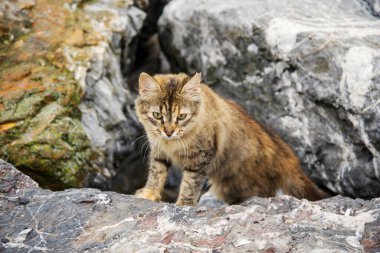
(62, 94)
(309, 71)
(13, 180)
(371, 236)
(110, 127)
(147, 56)
(82, 220)
(374, 7)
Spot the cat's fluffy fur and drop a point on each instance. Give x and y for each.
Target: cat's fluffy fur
(216, 139)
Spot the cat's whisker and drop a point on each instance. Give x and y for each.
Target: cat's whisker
(142, 148)
(185, 150)
(180, 141)
(146, 149)
(158, 144)
(151, 145)
(199, 146)
(156, 141)
(138, 138)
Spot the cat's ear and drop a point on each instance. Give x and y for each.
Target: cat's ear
(147, 85)
(192, 88)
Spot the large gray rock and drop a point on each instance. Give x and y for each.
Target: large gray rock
(309, 70)
(89, 220)
(106, 100)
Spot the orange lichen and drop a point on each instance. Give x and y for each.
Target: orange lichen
(22, 72)
(6, 126)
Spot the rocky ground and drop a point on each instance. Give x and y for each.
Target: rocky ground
(89, 220)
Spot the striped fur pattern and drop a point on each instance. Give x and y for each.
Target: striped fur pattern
(189, 125)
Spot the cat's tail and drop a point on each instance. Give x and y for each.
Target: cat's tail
(304, 188)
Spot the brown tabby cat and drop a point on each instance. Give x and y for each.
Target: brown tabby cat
(189, 125)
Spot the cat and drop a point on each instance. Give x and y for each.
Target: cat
(189, 125)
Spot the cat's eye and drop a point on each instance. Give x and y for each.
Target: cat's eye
(157, 115)
(182, 116)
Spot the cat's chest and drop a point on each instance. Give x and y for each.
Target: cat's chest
(175, 151)
(183, 154)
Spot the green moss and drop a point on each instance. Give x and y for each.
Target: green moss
(61, 153)
(27, 106)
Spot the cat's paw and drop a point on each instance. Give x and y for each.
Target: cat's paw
(185, 203)
(148, 193)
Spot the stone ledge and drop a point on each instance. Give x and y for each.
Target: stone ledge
(79, 220)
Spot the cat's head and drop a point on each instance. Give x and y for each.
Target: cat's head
(168, 105)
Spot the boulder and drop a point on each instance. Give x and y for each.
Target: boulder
(374, 7)
(309, 70)
(62, 94)
(89, 220)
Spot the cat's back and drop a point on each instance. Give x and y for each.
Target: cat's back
(236, 133)
(227, 114)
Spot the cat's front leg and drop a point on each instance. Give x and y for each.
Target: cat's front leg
(158, 171)
(191, 187)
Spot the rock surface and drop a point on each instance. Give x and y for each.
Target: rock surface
(62, 95)
(89, 220)
(374, 7)
(308, 70)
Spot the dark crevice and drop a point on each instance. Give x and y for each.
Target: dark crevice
(146, 53)
(370, 5)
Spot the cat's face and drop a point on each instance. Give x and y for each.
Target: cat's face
(168, 105)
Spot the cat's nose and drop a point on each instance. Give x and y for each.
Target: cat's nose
(169, 132)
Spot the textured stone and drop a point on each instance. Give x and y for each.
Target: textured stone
(371, 236)
(62, 94)
(89, 220)
(39, 123)
(308, 70)
(110, 127)
(12, 180)
(374, 7)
